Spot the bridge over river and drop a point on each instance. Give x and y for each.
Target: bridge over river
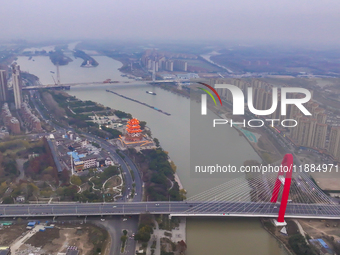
(239, 197)
(80, 84)
(188, 209)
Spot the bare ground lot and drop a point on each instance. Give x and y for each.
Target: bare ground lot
(9, 233)
(327, 181)
(89, 239)
(321, 228)
(57, 240)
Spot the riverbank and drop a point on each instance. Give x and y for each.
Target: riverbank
(130, 66)
(177, 179)
(272, 232)
(257, 139)
(73, 72)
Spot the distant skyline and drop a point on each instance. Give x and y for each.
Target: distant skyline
(246, 21)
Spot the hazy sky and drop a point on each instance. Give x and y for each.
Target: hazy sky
(298, 21)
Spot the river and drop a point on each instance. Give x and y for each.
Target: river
(72, 73)
(203, 235)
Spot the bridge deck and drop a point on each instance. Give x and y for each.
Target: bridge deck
(212, 209)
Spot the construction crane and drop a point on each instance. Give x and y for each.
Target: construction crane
(53, 79)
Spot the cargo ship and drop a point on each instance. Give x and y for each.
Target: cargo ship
(151, 93)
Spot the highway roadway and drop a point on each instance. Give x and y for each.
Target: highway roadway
(115, 226)
(241, 209)
(126, 164)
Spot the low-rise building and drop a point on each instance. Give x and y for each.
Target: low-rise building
(5, 250)
(20, 199)
(321, 245)
(78, 165)
(72, 250)
(101, 162)
(90, 161)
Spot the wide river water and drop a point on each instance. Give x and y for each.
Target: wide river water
(204, 235)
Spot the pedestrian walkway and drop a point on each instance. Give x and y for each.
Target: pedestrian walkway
(17, 243)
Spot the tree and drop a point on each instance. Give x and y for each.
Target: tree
(123, 238)
(2, 172)
(147, 219)
(8, 200)
(299, 245)
(76, 180)
(142, 124)
(173, 166)
(181, 247)
(3, 186)
(109, 172)
(70, 191)
(183, 194)
(144, 233)
(48, 170)
(121, 114)
(64, 177)
(156, 142)
(30, 189)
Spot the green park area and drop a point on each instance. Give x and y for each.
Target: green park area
(27, 170)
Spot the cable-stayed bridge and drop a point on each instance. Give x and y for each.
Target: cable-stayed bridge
(251, 195)
(82, 84)
(246, 196)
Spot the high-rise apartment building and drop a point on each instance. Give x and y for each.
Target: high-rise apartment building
(17, 86)
(311, 131)
(3, 86)
(320, 136)
(334, 143)
(180, 65)
(169, 65)
(305, 131)
(10, 122)
(31, 121)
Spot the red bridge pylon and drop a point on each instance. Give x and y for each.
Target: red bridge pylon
(286, 168)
